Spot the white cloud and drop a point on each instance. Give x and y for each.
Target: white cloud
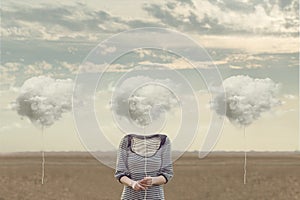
(242, 60)
(92, 67)
(148, 102)
(43, 100)
(144, 52)
(10, 67)
(251, 44)
(218, 17)
(235, 67)
(144, 103)
(33, 70)
(107, 49)
(73, 68)
(45, 65)
(246, 98)
(289, 96)
(36, 68)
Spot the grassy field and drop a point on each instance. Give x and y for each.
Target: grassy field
(270, 176)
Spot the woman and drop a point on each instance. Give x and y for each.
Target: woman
(144, 164)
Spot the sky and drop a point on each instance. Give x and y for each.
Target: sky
(257, 38)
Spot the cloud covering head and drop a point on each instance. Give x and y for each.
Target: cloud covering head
(149, 102)
(144, 103)
(43, 99)
(246, 98)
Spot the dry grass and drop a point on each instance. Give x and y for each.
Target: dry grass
(219, 176)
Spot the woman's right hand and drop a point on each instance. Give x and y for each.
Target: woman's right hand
(136, 185)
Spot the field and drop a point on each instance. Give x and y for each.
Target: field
(270, 176)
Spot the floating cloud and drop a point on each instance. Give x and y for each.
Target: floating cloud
(149, 102)
(43, 99)
(144, 103)
(246, 98)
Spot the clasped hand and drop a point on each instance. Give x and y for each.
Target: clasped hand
(143, 184)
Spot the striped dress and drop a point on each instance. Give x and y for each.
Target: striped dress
(141, 156)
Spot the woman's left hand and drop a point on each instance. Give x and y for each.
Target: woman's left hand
(147, 181)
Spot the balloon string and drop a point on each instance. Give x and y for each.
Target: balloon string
(245, 157)
(43, 157)
(145, 197)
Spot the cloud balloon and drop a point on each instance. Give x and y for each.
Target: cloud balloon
(246, 98)
(148, 102)
(144, 103)
(43, 99)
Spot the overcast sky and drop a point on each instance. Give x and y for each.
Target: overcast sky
(258, 38)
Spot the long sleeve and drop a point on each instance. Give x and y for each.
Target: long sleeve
(121, 167)
(166, 167)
